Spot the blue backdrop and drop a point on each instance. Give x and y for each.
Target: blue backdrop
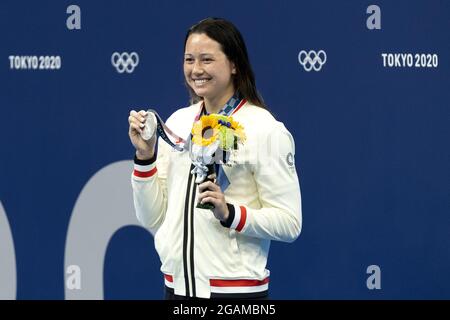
(371, 131)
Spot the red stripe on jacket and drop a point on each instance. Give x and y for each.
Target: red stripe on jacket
(145, 174)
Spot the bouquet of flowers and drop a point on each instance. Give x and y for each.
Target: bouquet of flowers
(212, 134)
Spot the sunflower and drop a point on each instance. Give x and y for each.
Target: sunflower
(204, 124)
(224, 128)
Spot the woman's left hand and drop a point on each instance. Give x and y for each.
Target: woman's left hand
(211, 192)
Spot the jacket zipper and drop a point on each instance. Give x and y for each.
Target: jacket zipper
(188, 237)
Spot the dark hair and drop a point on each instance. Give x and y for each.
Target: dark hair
(233, 46)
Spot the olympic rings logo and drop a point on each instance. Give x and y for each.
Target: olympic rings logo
(125, 62)
(312, 60)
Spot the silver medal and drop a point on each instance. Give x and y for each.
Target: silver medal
(150, 126)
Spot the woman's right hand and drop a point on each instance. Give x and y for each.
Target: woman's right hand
(145, 149)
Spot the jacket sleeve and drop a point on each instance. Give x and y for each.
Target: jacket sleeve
(280, 215)
(148, 181)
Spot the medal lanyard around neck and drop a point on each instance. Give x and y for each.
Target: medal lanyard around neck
(230, 107)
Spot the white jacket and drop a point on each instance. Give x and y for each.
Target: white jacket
(200, 256)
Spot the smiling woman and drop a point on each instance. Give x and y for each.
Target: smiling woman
(213, 237)
(220, 52)
(208, 71)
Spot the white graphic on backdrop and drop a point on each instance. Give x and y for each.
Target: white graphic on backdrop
(104, 206)
(374, 20)
(8, 276)
(74, 20)
(410, 60)
(17, 62)
(125, 62)
(312, 59)
(374, 280)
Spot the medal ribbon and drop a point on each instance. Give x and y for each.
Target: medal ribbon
(162, 129)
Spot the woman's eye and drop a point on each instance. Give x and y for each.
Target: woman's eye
(207, 60)
(188, 60)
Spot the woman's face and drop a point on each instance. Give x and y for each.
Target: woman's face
(207, 69)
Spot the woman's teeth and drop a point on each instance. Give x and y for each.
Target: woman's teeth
(200, 81)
